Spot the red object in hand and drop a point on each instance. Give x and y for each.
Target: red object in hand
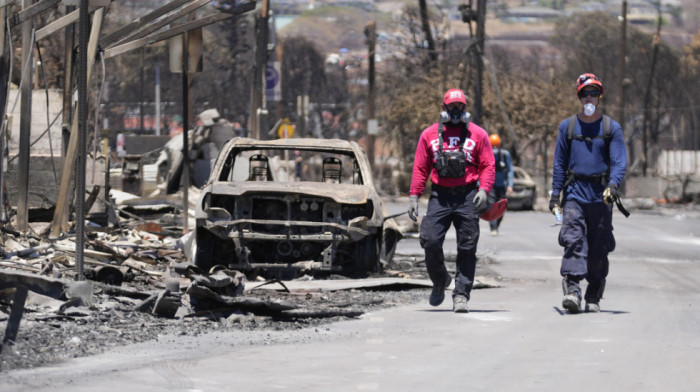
(496, 211)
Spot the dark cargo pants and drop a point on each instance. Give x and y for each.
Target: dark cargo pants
(587, 237)
(445, 209)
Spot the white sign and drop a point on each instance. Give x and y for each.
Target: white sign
(273, 81)
(372, 127)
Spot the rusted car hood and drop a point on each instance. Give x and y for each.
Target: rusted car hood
(341, 193)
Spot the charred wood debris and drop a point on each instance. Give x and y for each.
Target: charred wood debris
(136, 278)
(139, 269)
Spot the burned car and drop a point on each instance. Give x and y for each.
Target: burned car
(524, 193)
(293, 204)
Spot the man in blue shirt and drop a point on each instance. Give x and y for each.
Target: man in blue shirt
(589, 165)
(503, 185)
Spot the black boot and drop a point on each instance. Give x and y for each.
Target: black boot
(594, 293)
(572, 295)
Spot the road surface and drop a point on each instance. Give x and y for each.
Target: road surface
(516, 337)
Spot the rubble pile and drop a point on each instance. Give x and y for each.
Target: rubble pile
(137, 285)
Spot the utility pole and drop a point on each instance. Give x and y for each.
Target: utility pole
(647, 96)
(257, 86)
(478, 85)
(371, 34)
(623, 72)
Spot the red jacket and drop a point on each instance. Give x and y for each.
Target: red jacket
(477, 147)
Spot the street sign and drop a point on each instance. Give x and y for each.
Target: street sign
(273, 82)
(285, 130)
(372, 126)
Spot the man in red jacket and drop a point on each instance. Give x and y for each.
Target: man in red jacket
(457, 156)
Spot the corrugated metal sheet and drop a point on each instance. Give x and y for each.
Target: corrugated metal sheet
(673, 163)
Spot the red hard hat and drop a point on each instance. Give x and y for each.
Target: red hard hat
(588, 79)
(495, 140)
(454, 95)
(496, 211)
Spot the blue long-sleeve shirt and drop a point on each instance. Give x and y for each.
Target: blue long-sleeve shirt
(588, 158)
(504, 178)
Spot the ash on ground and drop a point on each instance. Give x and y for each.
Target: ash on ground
(51, 332)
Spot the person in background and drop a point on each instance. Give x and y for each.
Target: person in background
(590, 161)
(457, 157)
(503, 185)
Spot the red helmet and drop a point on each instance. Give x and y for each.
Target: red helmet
(588, 79)
(454, 95)
(496, 211)
(495, 140)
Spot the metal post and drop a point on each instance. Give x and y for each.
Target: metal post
(158, 100)
(185, 131)
(4, 75)
(25, 126)
(83, 31)
(371, 33)
(478, 86)
(59, 223)
(141, 114)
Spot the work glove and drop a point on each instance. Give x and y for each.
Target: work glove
(480, 199)
(554, 202)
(413, 207)
(610, 194)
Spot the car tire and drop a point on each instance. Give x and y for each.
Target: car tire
(202, 254)
(366, 256)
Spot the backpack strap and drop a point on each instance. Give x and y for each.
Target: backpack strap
(604, 177)
(570, 129)
(462, 137)
(607, 132)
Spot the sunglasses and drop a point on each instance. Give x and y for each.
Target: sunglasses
(591, 93)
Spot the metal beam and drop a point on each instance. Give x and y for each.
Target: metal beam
(5, 3)
(59, 24)
(207, 20)
(165, 21)
(31, 11)
(138, 23)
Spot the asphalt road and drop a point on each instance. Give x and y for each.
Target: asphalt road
(516, 337)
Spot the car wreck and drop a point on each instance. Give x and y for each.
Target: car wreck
(293, 205)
